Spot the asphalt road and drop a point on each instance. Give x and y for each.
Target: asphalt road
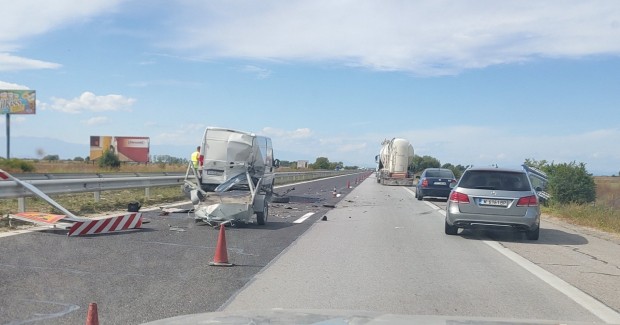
(156, 272)
(383, 251)
(379, 250)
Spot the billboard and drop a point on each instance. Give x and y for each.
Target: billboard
(130, 149)
(17, 101)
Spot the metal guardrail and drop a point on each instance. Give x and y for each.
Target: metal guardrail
(96, 183)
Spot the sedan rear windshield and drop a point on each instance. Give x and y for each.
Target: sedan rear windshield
(495, 180)
(441, 173)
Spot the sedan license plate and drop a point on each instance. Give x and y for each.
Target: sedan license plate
(441, 183)
(494, 202)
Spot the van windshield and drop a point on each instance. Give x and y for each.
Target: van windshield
(227, 185)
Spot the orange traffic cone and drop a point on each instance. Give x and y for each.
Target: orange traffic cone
(221, 252)
(92, 318)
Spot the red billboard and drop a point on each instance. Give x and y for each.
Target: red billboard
(130, 149)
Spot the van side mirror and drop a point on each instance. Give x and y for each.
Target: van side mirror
(276, 163)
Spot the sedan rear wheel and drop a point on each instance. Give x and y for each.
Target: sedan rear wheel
(451, 230)
(533, 234)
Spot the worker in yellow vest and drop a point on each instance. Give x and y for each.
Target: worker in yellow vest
(195, 157)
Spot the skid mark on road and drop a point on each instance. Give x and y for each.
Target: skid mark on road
(74, 271)
(68, 309)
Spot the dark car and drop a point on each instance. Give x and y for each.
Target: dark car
(434, 182)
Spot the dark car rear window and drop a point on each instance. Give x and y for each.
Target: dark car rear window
(441, 173)
(495, 180)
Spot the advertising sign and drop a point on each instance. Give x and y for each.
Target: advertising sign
(129, 149)
(17, 101)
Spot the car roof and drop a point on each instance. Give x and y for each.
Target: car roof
(496, 169)
(435, 168)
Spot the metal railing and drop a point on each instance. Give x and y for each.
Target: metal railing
(96, 183)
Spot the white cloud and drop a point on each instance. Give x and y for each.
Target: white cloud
(353, 147)
(21, 20)
(9, 85)
(427, 37)
(300, 133)
(10, 62)
(260, 73)
(91, 102)
(186, 134)
(99, 120)
(463, 145)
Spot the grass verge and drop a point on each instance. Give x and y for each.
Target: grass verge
(595, 216)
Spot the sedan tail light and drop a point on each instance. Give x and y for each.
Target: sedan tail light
(458, 197)
(528, 201)
(425, 183)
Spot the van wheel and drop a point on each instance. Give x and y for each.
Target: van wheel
(261, 217)
(451, 230)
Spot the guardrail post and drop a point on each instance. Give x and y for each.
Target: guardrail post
(97, 196)
(21, 204)
(147, 193)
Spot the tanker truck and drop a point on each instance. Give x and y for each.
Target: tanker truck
(393, 162)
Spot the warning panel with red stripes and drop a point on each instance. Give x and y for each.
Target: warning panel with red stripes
(102, 226)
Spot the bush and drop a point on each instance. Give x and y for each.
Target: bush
(571, 183)
(568, 182)
(17, 165)
(109, 160)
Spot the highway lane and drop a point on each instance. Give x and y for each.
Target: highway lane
(157, 272)
(585, 258)
(381, 250)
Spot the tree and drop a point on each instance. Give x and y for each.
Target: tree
(78, 159)
(321, 163)
(51, 158)
(456, 170)
(421, 163)
(109, 160)
(286, 163)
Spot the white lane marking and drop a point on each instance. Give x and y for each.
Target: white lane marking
(586, 301)
(304, 217)
(434, 207)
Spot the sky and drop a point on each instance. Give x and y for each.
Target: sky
(475, 82)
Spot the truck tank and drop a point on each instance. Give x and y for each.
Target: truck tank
(394, 160)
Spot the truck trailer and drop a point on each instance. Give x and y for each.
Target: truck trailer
(394, 161)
